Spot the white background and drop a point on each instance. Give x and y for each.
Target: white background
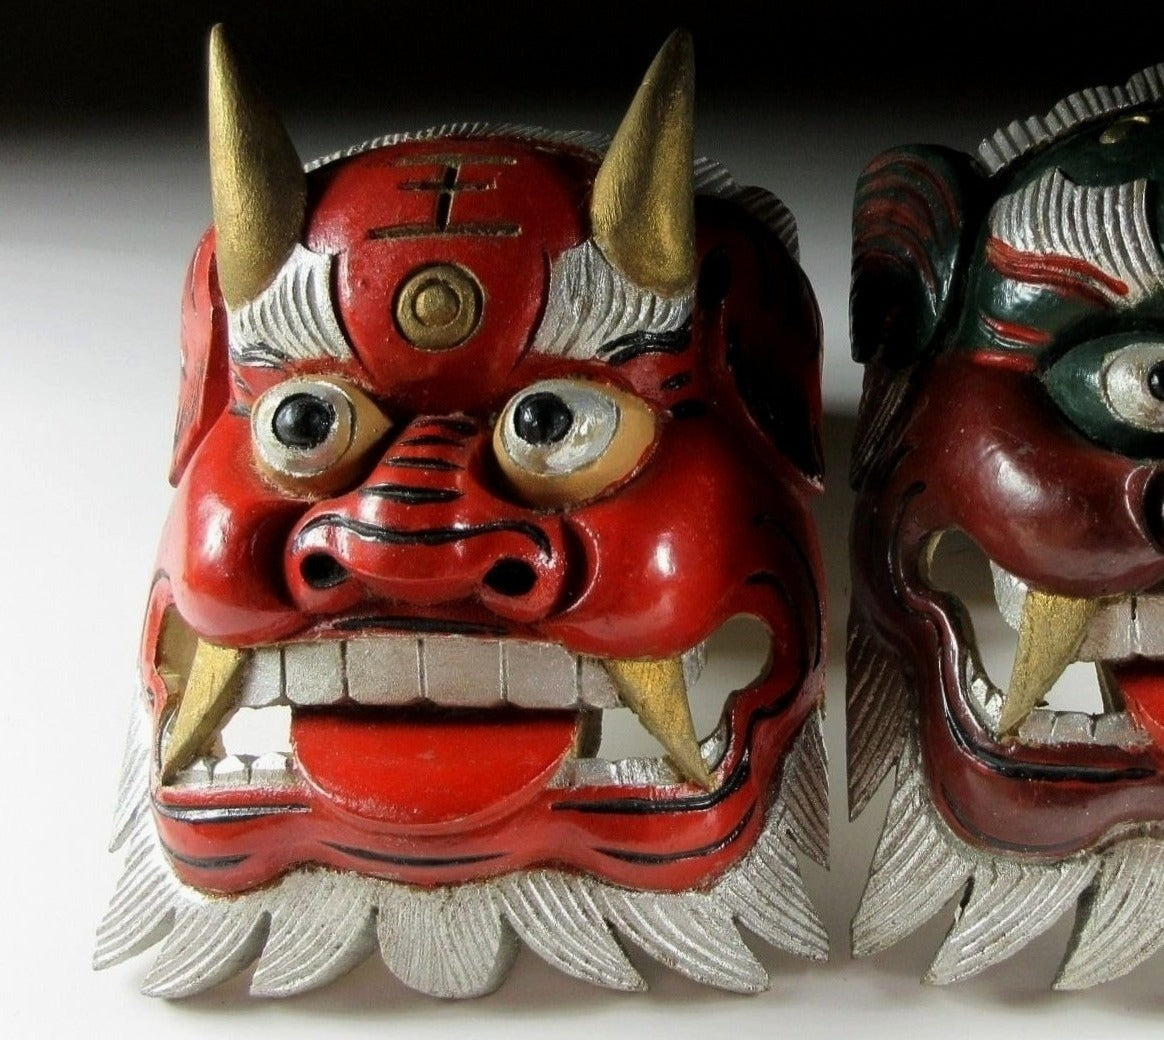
(95, 231)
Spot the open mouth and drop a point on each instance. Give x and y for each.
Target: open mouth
(333, 712)
(1077, 669)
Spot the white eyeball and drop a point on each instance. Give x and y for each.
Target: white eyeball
(565, 440)
(1132, 380)
(309, 434)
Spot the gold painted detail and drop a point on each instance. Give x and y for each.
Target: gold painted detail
(257, 185)
(439, 306)
(1050, 632)
(1120, 130)
(642, 211)
(657, 693)
(207, 695)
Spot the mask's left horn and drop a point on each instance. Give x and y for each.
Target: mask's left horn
(257, 185)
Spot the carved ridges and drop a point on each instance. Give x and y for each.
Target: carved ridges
(1121, 921)
(561, 921)
(1009, 904)
(591, 303)
(208, 945)
(314, 924)
(920, 864)
(767, 895)
(805, 790)
(293, 319)
(322, 934)
(878, 706)
(1107, 227)
(881, 398)
(900, 198)
(1011, 142)
(915, 868)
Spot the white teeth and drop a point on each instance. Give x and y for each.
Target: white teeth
(383, 671)
(536, 672)
(231, 771)
(597, 688)
(310, 672)
(262, 681)
(1121, 628)
(462, 672)
(272, 768)
(399, 670)
(234, 771)
(1044, 727)
(456, 671)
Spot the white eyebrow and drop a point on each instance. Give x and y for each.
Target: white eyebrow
(292, 319)
(1106, 227)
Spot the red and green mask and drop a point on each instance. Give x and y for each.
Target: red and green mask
(1009, 311)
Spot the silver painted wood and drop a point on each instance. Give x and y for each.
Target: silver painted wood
(207, 945)
(877, 708)
(1014, 140)
(448, 942)
(314, 924)
(1009, 904)
(915, 870)
(560, 919)
(805, 790)
(325, 930)
(1121, 921)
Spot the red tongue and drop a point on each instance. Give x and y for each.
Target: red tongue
(425, 767)
(1141, 684)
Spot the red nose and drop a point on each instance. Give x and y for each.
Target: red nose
(427, 529)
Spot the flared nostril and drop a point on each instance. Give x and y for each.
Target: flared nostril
(511, 578)
(322, 571)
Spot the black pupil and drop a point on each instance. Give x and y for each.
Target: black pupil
(1156, 380)
(542, 418)
(303, 421)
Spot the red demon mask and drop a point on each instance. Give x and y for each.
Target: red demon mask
(1010, 313)
(483, 436)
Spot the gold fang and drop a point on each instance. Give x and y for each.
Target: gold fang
(657, 693)
(257, 186)
(207, 696)
(1050, 632)
(642, 213)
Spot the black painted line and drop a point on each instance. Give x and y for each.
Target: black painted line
(410, 494)
(428, 535)
(421, 462)
(436, 626)
(412, 861)
(659, 858)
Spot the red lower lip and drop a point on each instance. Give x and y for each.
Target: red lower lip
(1141, 684)
(409, 769)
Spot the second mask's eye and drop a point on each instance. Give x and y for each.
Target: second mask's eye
(1113, 390)
(311, 434)
(563, 441)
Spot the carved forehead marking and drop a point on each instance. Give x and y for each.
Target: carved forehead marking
(1104, 231)
(445, 188)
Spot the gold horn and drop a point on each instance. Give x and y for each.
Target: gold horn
(642, 214)
(257, 185)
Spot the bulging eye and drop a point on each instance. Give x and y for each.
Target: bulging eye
(1113, 389)
(311, 434)
(1133, 383)
(563, 441)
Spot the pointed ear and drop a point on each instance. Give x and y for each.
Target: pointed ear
(642, 212)
(257, 183)
(909, 223)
